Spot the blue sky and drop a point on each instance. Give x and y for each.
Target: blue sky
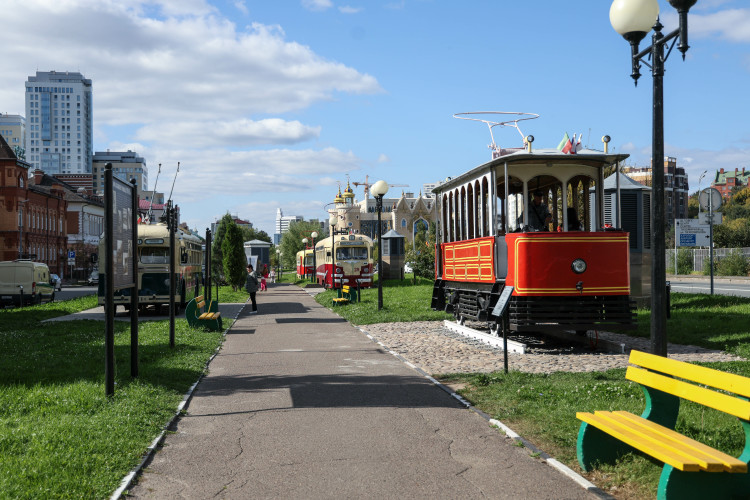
(271, 104)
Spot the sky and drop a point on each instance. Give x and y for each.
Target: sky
(274, 104)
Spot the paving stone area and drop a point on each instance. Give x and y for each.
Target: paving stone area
(436, 350)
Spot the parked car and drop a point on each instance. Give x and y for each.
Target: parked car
(56, 282)
(407, 268)
(24, 282)
(94, 278)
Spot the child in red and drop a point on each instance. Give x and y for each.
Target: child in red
(264, 275)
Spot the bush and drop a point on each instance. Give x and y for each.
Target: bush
(734, 264)
(684, 262)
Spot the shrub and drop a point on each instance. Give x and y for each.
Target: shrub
(734, 264)
(684, 262)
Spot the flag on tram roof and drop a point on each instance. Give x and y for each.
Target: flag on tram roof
(565, 140)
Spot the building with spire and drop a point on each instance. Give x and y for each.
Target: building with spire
(405, 214)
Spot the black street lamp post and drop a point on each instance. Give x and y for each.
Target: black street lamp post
(378, 190)
(633, 19)
(314, 274)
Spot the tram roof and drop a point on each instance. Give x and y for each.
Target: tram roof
(550, 157)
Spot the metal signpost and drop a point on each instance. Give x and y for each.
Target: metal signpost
(500, 311)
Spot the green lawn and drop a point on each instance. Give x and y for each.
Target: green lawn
(60, 436)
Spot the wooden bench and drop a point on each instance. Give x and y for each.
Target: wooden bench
(345, 295)
(691, 469)
(199, 315)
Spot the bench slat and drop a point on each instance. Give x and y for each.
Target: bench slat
(730, 382)
(624, 434)
(653, 434)
(706, 397)
(199, 298)
(200, 304)
(730, 463)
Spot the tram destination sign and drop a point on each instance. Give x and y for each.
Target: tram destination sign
(691, 233)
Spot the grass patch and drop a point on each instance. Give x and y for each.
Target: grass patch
(719, 322)
(402, 301)
(60, 436)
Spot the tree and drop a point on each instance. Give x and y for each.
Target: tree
(291, 241)
(217, 256)
(234, 261)
(421, 256)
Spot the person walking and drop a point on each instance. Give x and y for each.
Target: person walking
(251, 286)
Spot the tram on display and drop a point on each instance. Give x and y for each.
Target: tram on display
(344, 259)
(153, 268)
(567, 275)
(304, 263)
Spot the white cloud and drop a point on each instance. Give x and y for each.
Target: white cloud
(348, 9)
(383, 158)
(237, 133)
(729, 24)
(240, 5)
(317, 5)
(151, 69)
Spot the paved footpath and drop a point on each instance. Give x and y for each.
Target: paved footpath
(300, 404)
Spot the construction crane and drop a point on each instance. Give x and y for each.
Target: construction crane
(367, 185)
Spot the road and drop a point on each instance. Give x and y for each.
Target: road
(68, 293)
(721, 287)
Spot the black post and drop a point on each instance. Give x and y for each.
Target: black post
(109, 284)
(333, 258)
(658, 218)
(314, 277)
(207, 277)
(171, 224)
(379, 206)
(134, 289)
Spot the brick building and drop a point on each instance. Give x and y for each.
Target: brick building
(32, 214)
(725, 182)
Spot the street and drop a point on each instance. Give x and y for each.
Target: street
(721, 287)
(68, 293)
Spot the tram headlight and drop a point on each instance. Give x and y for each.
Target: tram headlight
(578, 266)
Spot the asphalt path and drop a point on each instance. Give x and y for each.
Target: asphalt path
(298, 403)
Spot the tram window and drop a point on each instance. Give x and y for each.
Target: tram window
(351, 253)
(155, 255)
(184, 258)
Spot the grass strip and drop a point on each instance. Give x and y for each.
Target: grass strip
(60, 436)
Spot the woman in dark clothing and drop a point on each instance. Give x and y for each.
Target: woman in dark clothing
(251, 286)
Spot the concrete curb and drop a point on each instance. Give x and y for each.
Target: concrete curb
(510, 433)
(128, 480)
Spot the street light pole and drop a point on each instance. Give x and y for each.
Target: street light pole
(314, 276)
(633, 19)
(378, 190)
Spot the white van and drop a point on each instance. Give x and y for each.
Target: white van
(24, 279)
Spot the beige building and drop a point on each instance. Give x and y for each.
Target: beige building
(404, 214)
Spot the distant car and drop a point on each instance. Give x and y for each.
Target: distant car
(94, 278)
(407, 268)
(56, 282)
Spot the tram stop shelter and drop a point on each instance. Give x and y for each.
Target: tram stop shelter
(260, 250)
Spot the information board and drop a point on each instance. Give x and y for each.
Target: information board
(691, 233)
(502, 302)
(122, 247)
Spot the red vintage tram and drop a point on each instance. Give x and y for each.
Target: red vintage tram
(563, 279)
(349, 255)
(304, 263)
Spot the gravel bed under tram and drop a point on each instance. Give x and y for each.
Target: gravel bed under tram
(437, 350)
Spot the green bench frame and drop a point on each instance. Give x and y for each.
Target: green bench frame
(199, 315)
(345, 294)
(691, 469)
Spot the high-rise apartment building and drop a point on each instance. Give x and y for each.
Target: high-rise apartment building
(676, 186)
(59, 122)
(13, 130)
(126, 165)
(282, 224)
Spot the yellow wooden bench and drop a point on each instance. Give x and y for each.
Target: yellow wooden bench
(200, 315)
(691, 469)
(345, 296)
